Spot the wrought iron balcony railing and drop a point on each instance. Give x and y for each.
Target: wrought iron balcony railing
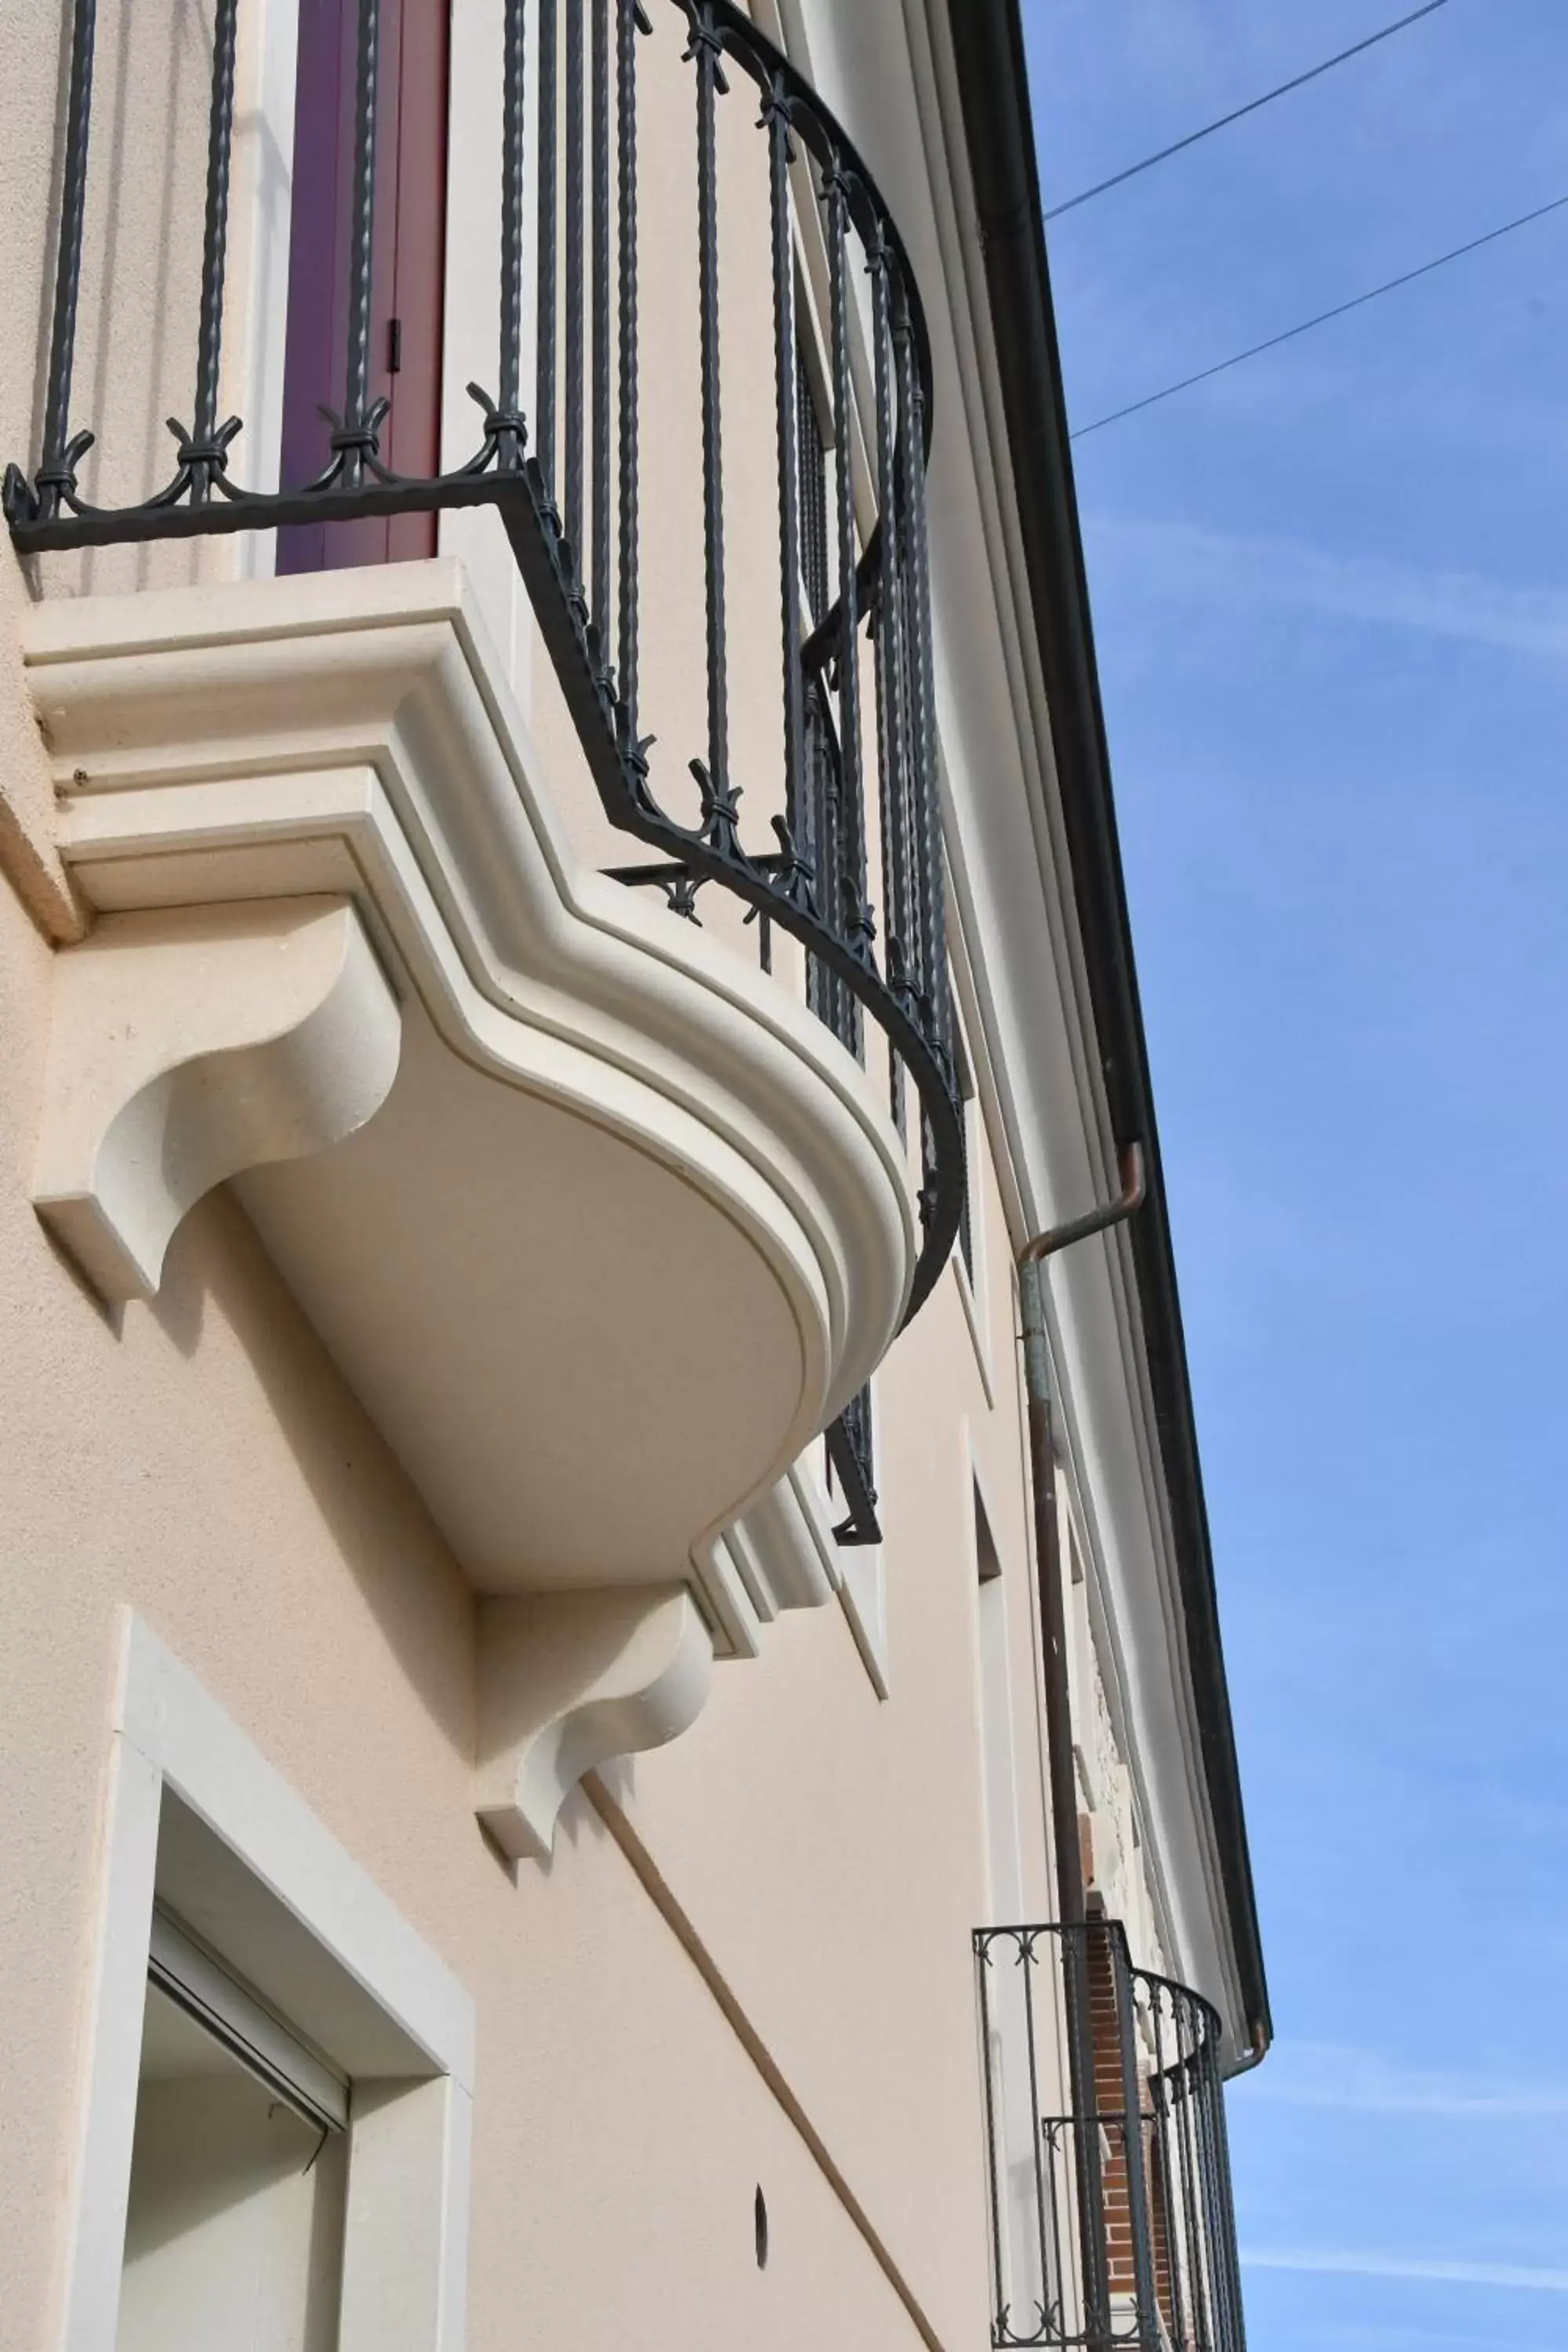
(851, 796)
(1112, 2223)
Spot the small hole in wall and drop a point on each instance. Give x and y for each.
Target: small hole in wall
(760, 2215)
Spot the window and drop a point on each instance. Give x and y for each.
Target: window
(234, 2229)
(408, 237)
(274, 2147)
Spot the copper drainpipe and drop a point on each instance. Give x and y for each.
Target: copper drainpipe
(1072, 1910)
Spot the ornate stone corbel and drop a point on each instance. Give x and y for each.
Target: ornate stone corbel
(566, 1680)
(190, 1042)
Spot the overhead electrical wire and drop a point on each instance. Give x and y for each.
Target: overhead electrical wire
(1404, 279)
(1132, 170)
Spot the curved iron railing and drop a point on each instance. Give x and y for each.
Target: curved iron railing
(1112, 2225)
(856, 704)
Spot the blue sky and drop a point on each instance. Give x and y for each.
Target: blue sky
(1331, 594)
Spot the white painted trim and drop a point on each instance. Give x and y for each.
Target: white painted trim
(355, 734)
(358, 731)
(985, 1147)
(972, 1315)
(170, 1734)
(863, 1597)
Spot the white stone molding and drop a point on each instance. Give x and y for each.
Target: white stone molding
(355, 734)
(568, 1680)
(253, 1866)
(189, 1044)
(781, 1555)
(625, 1200)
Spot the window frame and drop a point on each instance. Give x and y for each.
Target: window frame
(170, 1735)
(211, 1994)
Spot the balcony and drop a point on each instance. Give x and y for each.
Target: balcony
(1112, 2221)
(558, 979)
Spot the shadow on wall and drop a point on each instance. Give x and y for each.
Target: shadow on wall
(375, 1519)
(236, 2201)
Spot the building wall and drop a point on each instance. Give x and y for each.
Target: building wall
(200, 1461)
(748, 1962)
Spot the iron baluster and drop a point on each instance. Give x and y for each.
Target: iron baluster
(1188, 2172)
(1196, 2192)
(821, 979)
(922, 713)
(630, 22)
(1090, 2180)
(1164, 2096)
(999, 2299)
(1204, 2135)
(932, 944)
(934, 1006)
(575, 253)
(546, 297)
(786, 366)
(911, 928)
(856, 913)
(358, 438)
(823, 985)
(812, 477)
(1027, 1947)
(203, 454)
(705, 50)
(890, 744)
(830, 830)
(911, 922)
(1132, 2131)
(851, 1452)
(813, 464)
(1230, 2329)
(600, 588)
(1055, 2282)
(56, 474)
(514, 99)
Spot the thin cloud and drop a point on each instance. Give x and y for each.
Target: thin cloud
(1359, 2337)
(1409, 2266)
(1230, 567)
(1331, 2075)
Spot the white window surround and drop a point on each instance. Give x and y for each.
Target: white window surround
(409, 2019)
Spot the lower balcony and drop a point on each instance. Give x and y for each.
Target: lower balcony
(1112, 2221)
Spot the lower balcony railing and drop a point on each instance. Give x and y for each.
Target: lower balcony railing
(803, 424)
(1112, 2221)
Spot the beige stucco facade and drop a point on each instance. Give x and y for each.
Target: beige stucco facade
(437, 1425)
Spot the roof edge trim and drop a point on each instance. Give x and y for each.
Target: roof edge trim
(992, 82)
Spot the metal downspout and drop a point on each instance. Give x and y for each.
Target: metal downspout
(1070, 1903)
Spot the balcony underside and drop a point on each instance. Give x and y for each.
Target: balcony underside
(601, 1224)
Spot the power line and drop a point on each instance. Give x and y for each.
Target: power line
(1250, 108)
(1355, 302)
